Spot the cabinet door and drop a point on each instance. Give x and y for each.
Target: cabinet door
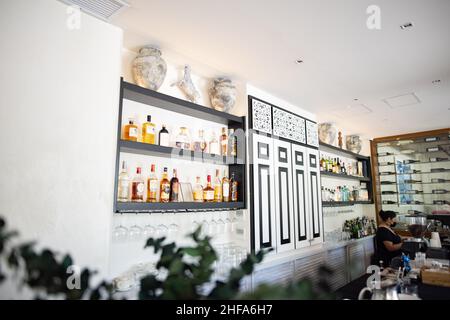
(315, 200)
(284, 196)
(301, 204)
(263, 192)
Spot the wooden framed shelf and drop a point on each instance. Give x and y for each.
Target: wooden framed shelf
(343, 176)
(144, 207)
(343, 203)
(153, 99)
(175, 153)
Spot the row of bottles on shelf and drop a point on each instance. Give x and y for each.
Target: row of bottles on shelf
(360, 227)
(226, 145)
(335, 165)
(417, 202)
(412, 161)
(344, 194)
(165, 190)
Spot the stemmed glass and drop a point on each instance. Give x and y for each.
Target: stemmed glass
(148, 232)
(135, 233)
(162, 230)
(173, 230)
(120, 233)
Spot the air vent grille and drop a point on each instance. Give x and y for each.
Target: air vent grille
(103, 9)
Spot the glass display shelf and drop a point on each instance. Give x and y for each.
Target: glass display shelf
(417, 142)
(414, 163)
(343, 176)
(343, 203)
(441, 170)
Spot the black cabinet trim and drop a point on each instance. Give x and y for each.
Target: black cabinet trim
(261, 242)
(280, 158)
(261, 155)
(288, 239)
(315, 234)
(301, 173)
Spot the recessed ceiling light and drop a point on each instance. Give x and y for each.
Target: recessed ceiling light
(406, 26)
(298, 61)
(355, 99)
(435, 81)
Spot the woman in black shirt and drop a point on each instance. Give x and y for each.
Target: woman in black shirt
(388, 242)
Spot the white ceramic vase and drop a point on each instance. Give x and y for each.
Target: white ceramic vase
(149, 69)
(222, 94)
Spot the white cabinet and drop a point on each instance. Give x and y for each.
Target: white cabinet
(262, 193)
(285, 195)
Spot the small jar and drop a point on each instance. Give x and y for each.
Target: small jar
(182, 140)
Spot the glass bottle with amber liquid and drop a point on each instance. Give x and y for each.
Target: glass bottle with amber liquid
(152, 186)
(224, 142)
(217, 188)
(208, 191)
(198, 191)
(174, 187)
(164, 187)
(138, 187)
(130, 131)
(234, 188)
(225, 188)
(148, 131)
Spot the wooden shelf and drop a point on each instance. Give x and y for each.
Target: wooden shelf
(144, 207)
(175, 153)
(343, 151)
(343, 203)
(343, 176)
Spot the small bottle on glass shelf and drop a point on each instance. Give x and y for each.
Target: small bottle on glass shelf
(234, 188)
(123, 193)
(164, 137)
(208, 191)
(182, 140)
(198, 191)
(130, 131)
(200, 142)
(214, 145)
(164, 187)
(138, 187)
(232, 143)
(152, 186)
(224, 142)
(225, 188)
(174, 187)
(217, 187)
(148, 131)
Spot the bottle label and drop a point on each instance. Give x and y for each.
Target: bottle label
(164, 139)
(165, 192)
(133, 132)
(153, 185)
(209, 195)
(140, 188)
(150, 130)
(198, 195)
(226, 190)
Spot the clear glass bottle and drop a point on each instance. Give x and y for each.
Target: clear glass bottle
(224, 142)
(198, 190)
(214, 147)
(234, 188)
(130, 131)
(182, 140)
(208, 191)
(148, 131)
(152, 186)
(232, 143)
(123, 192)
(200, 142)
(138, 187)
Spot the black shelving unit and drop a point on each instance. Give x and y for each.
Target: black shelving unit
(343, 203)
(344, 176)
(343, 151)
(154, 99)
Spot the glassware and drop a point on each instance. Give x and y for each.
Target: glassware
(148, 232)
(182, 140)
(173, 230)
(161, 231)
(214, 146)
(135, 233)
(200, 142)
(198, 190)
(212, 227)
(120, 233)
(123, 193)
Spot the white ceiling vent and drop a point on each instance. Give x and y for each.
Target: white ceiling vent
(402, 100)
(102, 9)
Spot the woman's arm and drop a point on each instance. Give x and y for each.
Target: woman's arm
(392, 247)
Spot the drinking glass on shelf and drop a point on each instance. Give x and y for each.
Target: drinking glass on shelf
(173, 230)
(148, 232)
(161, 231)
(120, 233)
(135, 233)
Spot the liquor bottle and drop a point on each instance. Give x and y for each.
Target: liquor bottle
(130, 131)
(182, 140)
(233, 142)
(410, 161)
(330, 165)
(152, 186)
(224, 142)
(164, 187)
(322, 163)
(137, 187)
(164, 137)
(174, 187)
(225, 188)
(343, 170)
(200, 142)
(217, 188)
(208, 191)
(214, 145)
(234, 188)
(148, 131)
(123, 193)
(198, 191)
(438, 159)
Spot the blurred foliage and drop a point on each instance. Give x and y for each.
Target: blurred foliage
(187, 270)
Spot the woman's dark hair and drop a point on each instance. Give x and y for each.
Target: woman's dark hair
(387, 214)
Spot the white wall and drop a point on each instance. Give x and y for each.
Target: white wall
(59, 106)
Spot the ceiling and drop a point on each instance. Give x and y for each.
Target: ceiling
(259, 41)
